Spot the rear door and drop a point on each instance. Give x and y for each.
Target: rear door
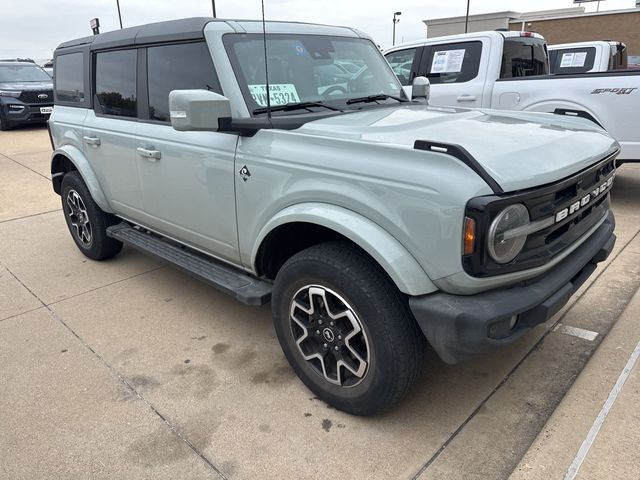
(457, 72)
(109, 129)
(187, 177)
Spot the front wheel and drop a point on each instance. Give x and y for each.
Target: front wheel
(86, 221)
(4, 124)
(345, 328)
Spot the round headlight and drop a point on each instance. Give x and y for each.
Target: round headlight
(504, 248)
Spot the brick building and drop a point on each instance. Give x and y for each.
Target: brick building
(565, 25)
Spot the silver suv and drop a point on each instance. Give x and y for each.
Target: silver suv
(370, 220)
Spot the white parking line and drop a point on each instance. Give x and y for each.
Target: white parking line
(595, 428)
(576, 332)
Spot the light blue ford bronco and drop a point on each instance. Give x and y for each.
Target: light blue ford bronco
(375, 224)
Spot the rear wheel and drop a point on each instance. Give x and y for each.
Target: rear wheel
(86, 221)
(345, 328)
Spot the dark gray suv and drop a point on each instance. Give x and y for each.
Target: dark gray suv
(26, 94)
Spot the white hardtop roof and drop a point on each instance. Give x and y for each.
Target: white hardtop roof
(604, 43)
(271, 26)
(11, 63)
(461, 37)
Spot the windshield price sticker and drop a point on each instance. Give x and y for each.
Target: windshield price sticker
(448, 61)
(279, 94)
(577, 59)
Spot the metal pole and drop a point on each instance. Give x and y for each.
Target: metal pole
(598, 6)
(119, 16)
(394, 31)
(466, 19)
(213, 6)
(395, 20)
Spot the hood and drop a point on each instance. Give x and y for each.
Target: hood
(26, 85)
(518, 149)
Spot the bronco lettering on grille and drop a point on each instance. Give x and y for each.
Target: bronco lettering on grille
(579, 204)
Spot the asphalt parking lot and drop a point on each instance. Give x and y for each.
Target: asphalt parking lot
(131, 369)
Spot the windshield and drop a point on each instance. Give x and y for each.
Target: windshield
(309, 68)
(22, 73)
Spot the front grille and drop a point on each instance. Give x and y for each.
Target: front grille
(543, 203)
(31, 96)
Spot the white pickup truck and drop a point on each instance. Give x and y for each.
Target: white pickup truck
(587, 57)
(510, 71)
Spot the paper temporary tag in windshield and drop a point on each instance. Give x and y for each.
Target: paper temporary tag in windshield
(280, 94)
(577, 59)
(447, 61)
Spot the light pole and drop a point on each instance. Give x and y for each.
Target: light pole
(466, 19)
(213, 6)
(395, 20)
(119, 16)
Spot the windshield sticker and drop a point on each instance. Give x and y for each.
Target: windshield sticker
(448, 61)
(577, 59)
(299, 48)
(279, 94)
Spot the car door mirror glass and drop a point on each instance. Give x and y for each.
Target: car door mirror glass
(197, 110)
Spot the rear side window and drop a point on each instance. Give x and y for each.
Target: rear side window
(116, 82)
(177, 67)
(524, 57)
(69, 77)
(452, 63)
(573, 60)
(401, 63)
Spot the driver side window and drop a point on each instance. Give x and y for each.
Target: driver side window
(401, 63)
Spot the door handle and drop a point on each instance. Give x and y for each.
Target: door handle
(149, 154)
(466, 98)
(91, 141)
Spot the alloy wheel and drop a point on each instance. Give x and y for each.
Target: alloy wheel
(329, 335)
(79, 218)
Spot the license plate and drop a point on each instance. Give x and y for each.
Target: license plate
(46, 109)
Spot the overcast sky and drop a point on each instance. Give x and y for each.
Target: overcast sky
(33, 28)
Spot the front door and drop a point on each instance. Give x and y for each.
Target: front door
(187, 177)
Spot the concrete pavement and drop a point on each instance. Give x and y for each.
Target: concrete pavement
(162, 376)
(595, 431)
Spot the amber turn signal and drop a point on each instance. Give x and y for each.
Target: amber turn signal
(469, 236)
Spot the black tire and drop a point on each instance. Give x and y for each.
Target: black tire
(345, 277)
(92, 241)
(4, 125)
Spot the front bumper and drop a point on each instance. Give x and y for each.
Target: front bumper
(459, 326)
(20, 113)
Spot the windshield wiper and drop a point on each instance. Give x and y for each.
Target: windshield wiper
(375, 98)
(294, 106)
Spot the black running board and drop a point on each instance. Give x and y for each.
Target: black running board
(234, 282)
